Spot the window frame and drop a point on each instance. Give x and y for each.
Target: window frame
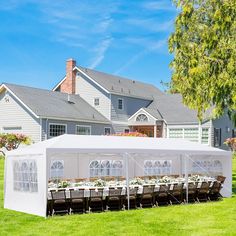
(142, 121)
(86, 126)
(219, 141)
(94, 101)
(57, 170)
(105, 130)
(62, 124)
(120, 99)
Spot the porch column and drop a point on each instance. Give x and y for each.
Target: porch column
(155, 131)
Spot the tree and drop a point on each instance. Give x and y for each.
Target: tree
(12, 141)
(204, 48)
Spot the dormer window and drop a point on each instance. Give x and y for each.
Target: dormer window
(142, 118)
(120, 104)
(96, 101)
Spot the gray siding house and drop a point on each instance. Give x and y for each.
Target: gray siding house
(89, 102)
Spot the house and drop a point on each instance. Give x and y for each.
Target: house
(88, 102)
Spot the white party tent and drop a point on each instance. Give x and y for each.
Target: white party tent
(28, 169)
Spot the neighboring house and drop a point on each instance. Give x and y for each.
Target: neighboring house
(86, 101)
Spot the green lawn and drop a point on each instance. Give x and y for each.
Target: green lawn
(214, 218)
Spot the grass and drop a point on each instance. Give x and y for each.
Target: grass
(213, 218)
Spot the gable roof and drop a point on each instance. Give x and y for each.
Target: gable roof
(122, 86)
(172, 109)
(55, 105)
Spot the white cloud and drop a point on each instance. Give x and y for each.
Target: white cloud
(150, 46)
(100, 52)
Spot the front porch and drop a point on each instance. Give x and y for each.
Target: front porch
(150, 130)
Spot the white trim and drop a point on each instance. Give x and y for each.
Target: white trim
(143, 111)
(107, 128)
(86, 126)
(69, 119)
(76, 68)
(122, 99)
(139, 120)
(58, 84)
(22, 103)
(55, 124)
(40, 129)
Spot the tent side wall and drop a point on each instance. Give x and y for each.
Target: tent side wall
(25, 178)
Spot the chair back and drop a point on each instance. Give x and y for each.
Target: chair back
(148, 189)
(58, 195)
(192, 188)
(164, 188)
(178, 187)
(96, 192)
(78, 193)
(221, 178)
(216, 187)
(204, 187)
(132, 191)
(115, 192)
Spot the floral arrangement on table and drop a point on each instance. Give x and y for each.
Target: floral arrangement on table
(165, 179)
(130, 134)
(136, 181)
(194, 178)
(100, 183)
(63, 184)
(231, 142)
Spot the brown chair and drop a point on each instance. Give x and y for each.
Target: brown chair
(214, 192)
(113, 199)
(162, 196)
(192, 192)
(176, 194)
(77, 200)
(202, 192)
(59, 202)
(132, 198)
(95, 202)
(109, 178)
(147, 197)
(121, 178)
(221, 178)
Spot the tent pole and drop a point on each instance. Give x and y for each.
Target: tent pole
(186, 176)
(127, 176)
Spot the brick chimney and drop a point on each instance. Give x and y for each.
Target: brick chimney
(68, 85)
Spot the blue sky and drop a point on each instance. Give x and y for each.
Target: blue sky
(122, 37)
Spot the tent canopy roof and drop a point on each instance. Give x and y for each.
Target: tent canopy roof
(113, 144)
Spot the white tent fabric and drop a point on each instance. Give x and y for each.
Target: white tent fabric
(69, 146)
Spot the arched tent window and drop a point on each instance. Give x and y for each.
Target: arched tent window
(105, 168)
(57, 169)
(16, 176)
(33, 179)
(94, 168)
(142, 118)
(25, 176)
(117, 168)
(148, 167)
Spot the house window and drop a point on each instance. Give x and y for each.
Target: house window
(99, 168)
(205, 136)
(176, 133)
(191, 134)
(154, 167)
(126, 131)
(233, 133)
(120, 104)
(57, 169)
(56, 130)
(25, 176)
(217, 137)
(83, 130)
(107, 130)
(96, 101)
(142, 118)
